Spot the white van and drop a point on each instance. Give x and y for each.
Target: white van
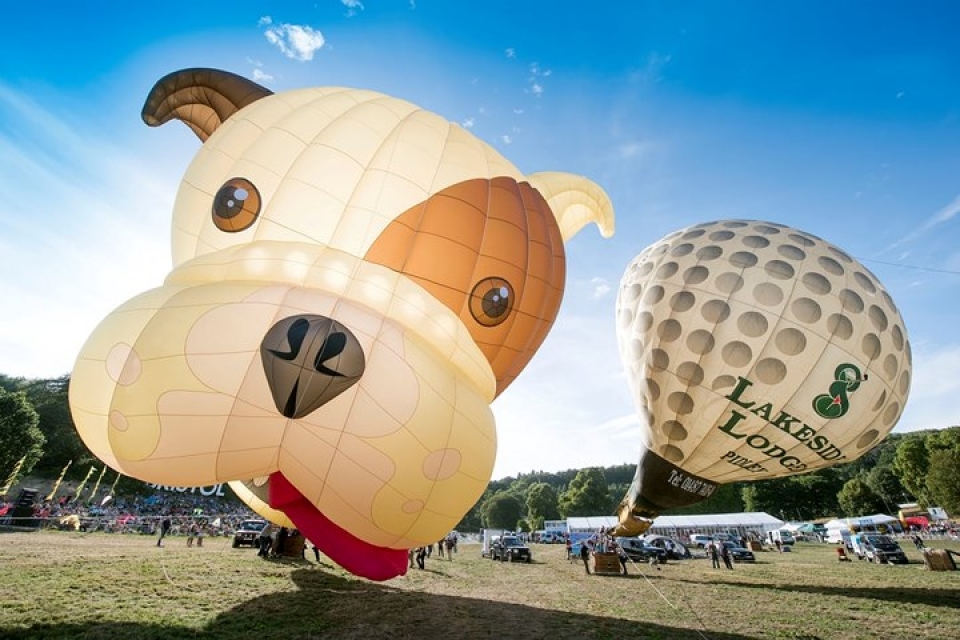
(784, 536)
(838, 536)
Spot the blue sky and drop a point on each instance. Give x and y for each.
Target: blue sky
(842, 119)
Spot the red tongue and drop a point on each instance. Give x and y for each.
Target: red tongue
(356, 556)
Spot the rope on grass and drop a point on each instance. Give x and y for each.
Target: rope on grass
(664, 597)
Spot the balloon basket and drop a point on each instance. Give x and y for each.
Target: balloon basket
(606, 564)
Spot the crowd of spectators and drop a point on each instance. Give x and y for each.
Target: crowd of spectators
(214, 515)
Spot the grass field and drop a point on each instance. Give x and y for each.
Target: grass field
(72, 585)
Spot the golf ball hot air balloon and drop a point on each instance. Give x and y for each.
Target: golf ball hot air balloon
(753, 350)
(355, 280)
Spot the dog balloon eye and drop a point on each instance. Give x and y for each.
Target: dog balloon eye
(236, 205)
(491, 301)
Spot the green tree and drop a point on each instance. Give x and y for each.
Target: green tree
(542, 504)
(19, 435)
(763, 495)
(943, 479)
(502, 510)
(856, 498)
(587, 495)
(948, 438)
(884, 482)
(911, 463)
(50, 399)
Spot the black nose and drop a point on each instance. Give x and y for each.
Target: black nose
(309, 360)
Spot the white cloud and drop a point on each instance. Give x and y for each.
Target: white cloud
(506, 139)
(536, 73)
(259, 75)
(468, 123)
(632, 149)
(510, 52)
(652, 70)
(298, 42)
(353, 6)
(600, 287)
(944, 214)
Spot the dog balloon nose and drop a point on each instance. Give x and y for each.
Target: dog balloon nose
(309, 360)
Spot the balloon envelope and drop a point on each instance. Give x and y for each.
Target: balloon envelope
(753, 350)
(355, 279)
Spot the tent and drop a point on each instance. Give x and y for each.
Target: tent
(861, 522)
(674, 526)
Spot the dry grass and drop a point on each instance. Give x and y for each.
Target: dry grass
(68, 585)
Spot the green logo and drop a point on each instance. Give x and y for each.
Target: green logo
(835, 403)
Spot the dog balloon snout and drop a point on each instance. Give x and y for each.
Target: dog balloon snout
(309, 360)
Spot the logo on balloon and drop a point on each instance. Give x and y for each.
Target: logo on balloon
(835, 404)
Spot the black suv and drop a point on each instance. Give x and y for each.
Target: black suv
(639, 551)
(248, 533)
(510, 549)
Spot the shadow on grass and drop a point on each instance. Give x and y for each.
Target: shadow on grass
(933, 597)
(325, 605)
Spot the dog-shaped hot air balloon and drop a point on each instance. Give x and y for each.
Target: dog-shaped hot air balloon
(354, 281)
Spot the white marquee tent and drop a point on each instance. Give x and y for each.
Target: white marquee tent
(758, 521)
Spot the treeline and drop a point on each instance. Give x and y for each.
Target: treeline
(923, 467)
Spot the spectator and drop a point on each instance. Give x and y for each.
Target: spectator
(164, 530)
(585, 556)
(714, 554)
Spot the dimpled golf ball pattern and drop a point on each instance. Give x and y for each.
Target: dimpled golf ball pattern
(769, 303)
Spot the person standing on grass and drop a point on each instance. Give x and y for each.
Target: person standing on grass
(165, 525)
(422, 557)
(714, 555)
(622, 556)
(585, 556)
(725, 555)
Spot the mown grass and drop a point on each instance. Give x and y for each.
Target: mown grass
(70, 585)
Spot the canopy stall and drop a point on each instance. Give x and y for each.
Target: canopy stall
(863, 523)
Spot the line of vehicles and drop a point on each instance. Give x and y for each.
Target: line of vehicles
(507, 546)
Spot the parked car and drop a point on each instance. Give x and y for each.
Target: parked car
(510, 549)
(639, 551)
(738, 553)
(877, 548)
(700, 540)
(675, 550)
(248, 533)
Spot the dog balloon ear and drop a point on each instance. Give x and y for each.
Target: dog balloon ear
(200, 98)
(575, 201)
